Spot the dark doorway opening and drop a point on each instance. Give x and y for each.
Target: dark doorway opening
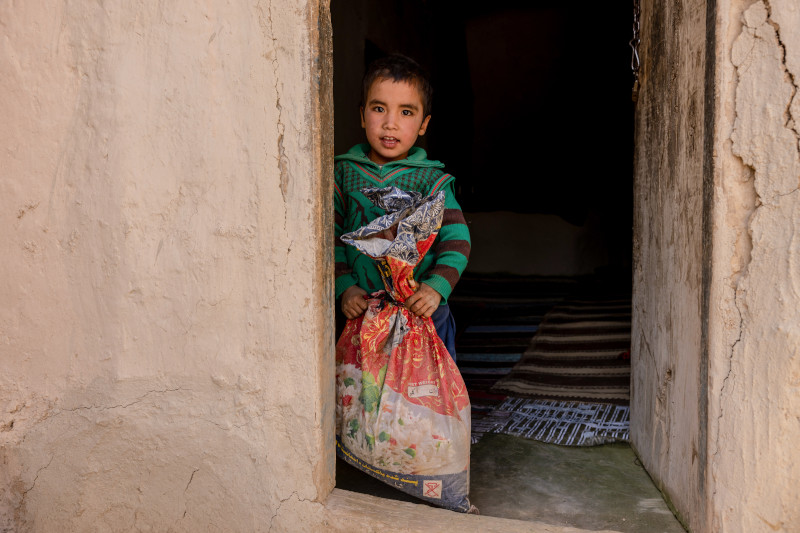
(532, 114)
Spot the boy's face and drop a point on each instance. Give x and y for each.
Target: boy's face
(393, 119)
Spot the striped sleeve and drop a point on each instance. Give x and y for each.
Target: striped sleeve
(452, 246)
(343, 273)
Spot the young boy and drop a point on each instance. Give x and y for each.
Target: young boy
(395, 110)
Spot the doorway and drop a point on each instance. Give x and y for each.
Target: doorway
(531, 113)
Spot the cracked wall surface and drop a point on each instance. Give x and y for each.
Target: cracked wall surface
(754, 368)
(666, 393)
(716, 340)
(164, 354)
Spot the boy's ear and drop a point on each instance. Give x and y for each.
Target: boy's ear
(361, 112)
(424, 127)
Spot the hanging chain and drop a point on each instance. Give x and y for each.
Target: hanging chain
(634, 44)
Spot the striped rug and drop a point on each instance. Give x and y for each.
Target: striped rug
(579, 354)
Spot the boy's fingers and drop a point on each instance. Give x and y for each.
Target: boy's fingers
(411, 300)
(421, 309)
(354, 307)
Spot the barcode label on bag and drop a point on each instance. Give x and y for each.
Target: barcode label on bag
(421, 391)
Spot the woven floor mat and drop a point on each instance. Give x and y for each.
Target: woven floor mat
(556, 422)
(580, 353)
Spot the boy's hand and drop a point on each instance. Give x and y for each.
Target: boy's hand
(353, 302)
(424, 302)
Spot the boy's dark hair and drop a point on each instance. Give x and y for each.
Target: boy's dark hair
(397, 67)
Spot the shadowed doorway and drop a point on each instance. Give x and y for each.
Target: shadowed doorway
(532, 115)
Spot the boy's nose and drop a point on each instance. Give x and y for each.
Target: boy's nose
(391, 121)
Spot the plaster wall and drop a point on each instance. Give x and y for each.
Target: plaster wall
(164, 276)
(754, 363)
(667, 422)
(717, 284)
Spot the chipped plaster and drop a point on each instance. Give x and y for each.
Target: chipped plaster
(754, 372)
(750, 342)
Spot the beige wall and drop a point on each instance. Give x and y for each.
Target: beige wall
(717, 283)
(667, 422)
(165, 270)
(754, 370)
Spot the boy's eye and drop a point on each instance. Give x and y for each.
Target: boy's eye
(407, 112)
(378, 109)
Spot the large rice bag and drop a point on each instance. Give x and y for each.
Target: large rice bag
(402, 411)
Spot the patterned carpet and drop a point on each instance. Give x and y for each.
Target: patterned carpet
(545, 358)
(557, 422)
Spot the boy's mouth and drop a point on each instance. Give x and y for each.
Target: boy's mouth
(389, 142)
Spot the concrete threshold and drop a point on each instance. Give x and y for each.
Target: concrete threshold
(353, 511)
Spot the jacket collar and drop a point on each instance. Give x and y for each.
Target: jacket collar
(417, 157)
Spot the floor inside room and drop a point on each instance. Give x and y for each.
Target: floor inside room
(601, 487)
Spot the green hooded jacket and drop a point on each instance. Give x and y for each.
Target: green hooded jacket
(443, 265)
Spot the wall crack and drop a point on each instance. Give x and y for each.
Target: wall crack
(118, 406)
(36, 477)
(283, 160)
(730, 367)
(278, 509)
(789, 120)
(185, 509)
(196, 470)
(280, 504)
